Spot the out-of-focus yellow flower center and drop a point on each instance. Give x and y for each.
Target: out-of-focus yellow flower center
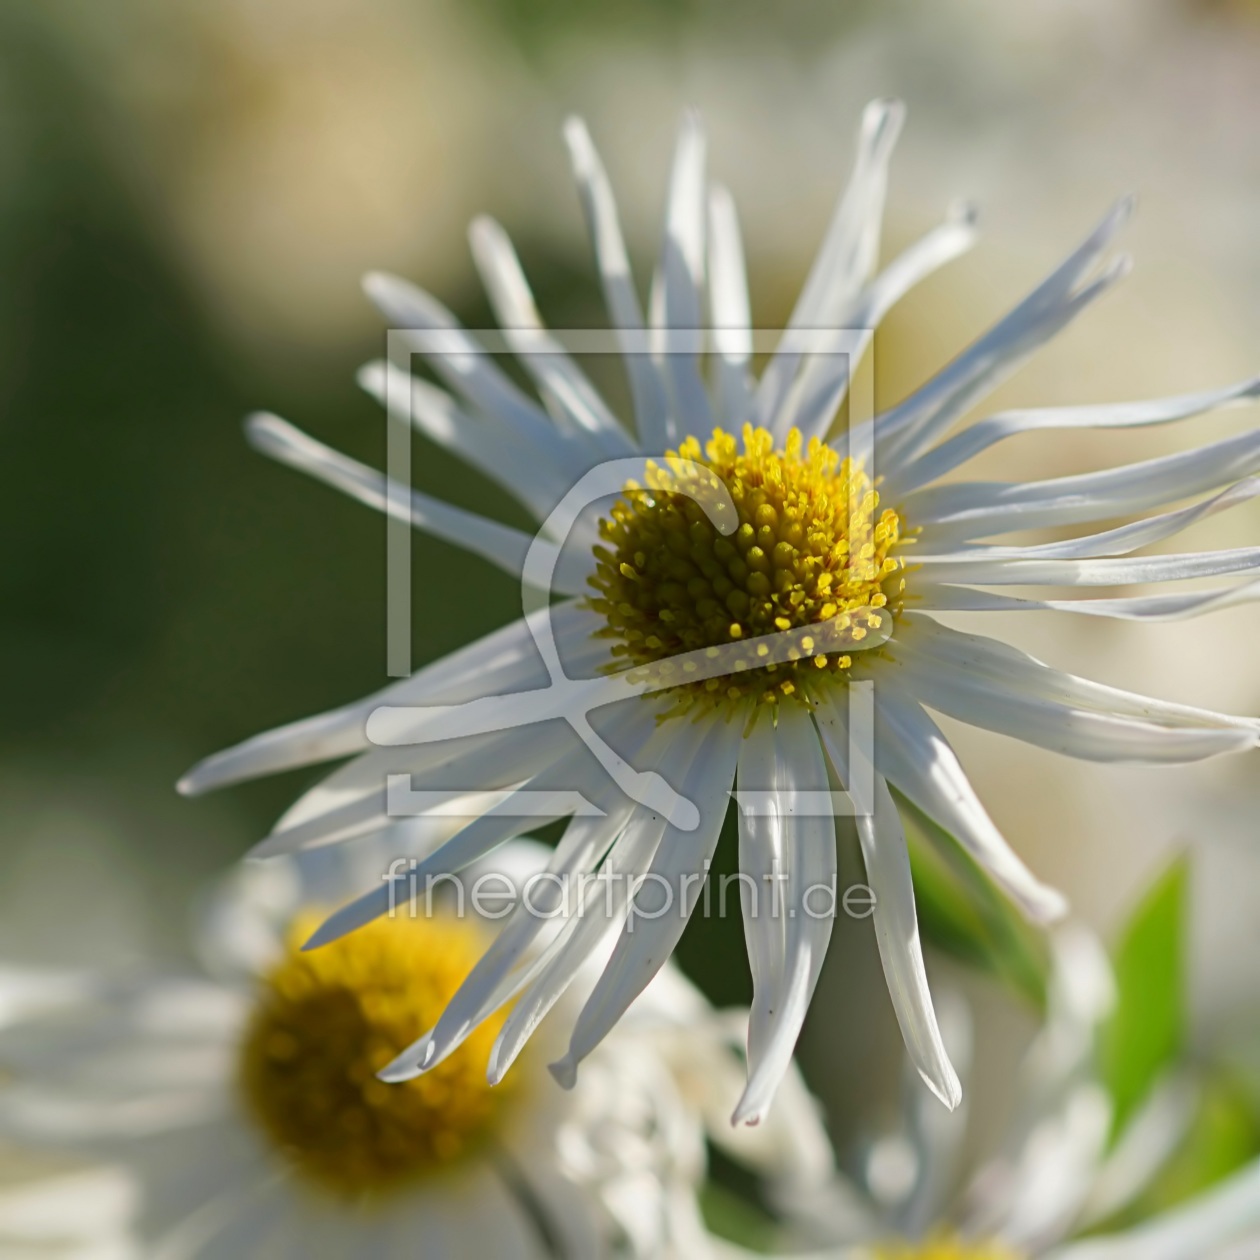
(327, 1021)
(812, 546)
(945, 1247)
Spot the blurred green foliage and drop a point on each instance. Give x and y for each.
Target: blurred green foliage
(964, 915)
(166, 591)
(1146, 1032)
(1145, 1042)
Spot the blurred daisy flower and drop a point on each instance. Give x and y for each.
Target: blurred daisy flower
(722, 609)
(1074, 1160)
(242, 1110)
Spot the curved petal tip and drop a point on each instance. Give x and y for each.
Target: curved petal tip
(565, 1071)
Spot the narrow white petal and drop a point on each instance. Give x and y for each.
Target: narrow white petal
(965, 510)
(761, 858)
(497, 978)
(981, 569)
(52, 1210)
(469, 845)
(586, 935)
(470, 370)
(541, 913)
(600, 209)
(844, 261)
(729, 312)
(1179, 607)
(908, 428)
(1148, 1140)
(356, 798)
(503, 661)
(1121, 540)
(824, 380)
(897, 934)
(915, 757)
(676, 877)
(501, 545)
(682, 275)
(573, 399)
(992, 662)
(1061, 727)
(1053, 1171)
(809, 877)
(497, 450)
(980, 436)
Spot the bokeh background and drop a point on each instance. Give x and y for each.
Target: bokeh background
(189, 193)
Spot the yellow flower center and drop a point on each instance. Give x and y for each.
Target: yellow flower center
(811, 546)
(329, 1020)
(945, 1247)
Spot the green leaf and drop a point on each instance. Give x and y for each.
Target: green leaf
(1223, 1136)
(736, 1219)
(962, 913)
(1145, 1033)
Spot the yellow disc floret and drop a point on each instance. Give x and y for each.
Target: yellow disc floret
(810, 547)
(329, 1020)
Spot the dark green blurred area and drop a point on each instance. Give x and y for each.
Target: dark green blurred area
(165, 590)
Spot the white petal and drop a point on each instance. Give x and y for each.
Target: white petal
(844, 261)
(928, 413)
(1053, 1172)
(682, 276)
(586, 935)
(1147, 1141)
(470, 840)
(677, 874)
(471, 371)
(1156, 608)
(887, 861)
(978, 437)
(496, 977)
(761, 858)
(540, 914)
(983, 570)
(43, 1211)
(1227, 1213)
(646, 386)
(1005, 667)
(916, 758)
(356, 798)
(978, 509)
(501, 545)
(1062, 727)
(504, 661)
(556, 374)
(495, 449)
(824, 379)
(729, 312)
(808, 871)
(1109, 542)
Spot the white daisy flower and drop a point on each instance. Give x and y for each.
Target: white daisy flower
(1057, 1174)
(242, 1112)
(809, 566)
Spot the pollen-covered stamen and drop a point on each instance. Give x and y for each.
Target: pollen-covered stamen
(330, 1019)
(812, 546)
